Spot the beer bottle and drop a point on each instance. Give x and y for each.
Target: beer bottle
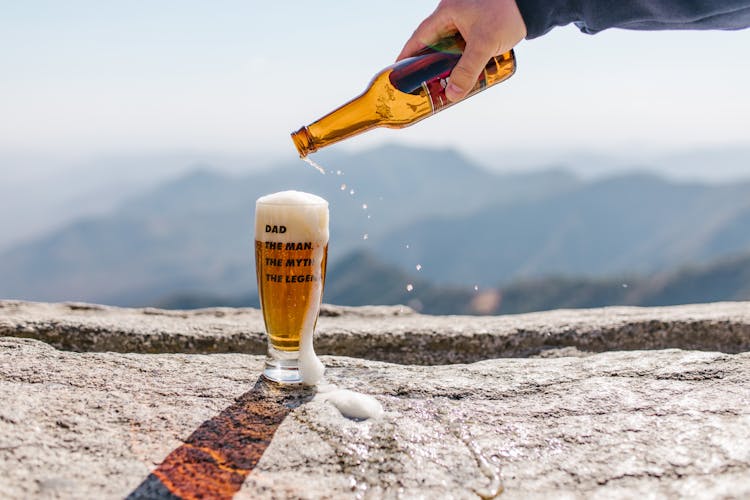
(401, 94)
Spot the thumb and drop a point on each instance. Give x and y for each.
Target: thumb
(464, 76)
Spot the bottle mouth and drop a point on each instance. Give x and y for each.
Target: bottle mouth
(303, 141)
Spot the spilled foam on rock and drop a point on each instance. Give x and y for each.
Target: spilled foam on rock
(351, 404)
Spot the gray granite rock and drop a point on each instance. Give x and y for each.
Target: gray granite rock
(664, 423)
(395, 334)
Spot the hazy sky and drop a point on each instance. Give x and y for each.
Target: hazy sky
(88, 77)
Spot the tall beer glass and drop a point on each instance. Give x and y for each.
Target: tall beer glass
(291, 248)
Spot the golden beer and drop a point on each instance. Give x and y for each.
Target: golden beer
(291, 248)
(286, 297)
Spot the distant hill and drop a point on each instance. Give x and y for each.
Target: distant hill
(41, 191)
(635, 223)
(360, 279)
(724, 280)
(195, 232)
(357, 279)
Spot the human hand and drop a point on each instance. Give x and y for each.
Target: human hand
(489, 27)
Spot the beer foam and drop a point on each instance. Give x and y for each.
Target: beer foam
(291, 216)
(352, 404)
(310, 367)
(292, 197)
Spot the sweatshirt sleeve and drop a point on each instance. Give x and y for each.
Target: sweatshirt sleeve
(592, 16)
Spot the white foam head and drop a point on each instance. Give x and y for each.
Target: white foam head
(291, 216)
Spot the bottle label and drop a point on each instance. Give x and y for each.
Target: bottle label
(428, 71)
(435, 89)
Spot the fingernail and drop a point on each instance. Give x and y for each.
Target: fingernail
(453, 91)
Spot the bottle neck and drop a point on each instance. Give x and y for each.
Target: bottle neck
(354, 117)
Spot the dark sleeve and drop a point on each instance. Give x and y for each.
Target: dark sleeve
(592, 16)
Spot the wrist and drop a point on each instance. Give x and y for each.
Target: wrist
(540, 16)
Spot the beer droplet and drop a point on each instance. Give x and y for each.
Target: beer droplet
(364, 206)
(476, 288)
(369, 216)
(407, 245)
(343, 187)
(624, 285)
(339, 172)
(419, 267)
(365, 236)
(351, 191)
(409, 287)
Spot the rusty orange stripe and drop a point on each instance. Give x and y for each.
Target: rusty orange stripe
(217, 457)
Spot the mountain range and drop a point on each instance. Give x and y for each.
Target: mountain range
(393, 209)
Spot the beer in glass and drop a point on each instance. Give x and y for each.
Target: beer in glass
(291, 247)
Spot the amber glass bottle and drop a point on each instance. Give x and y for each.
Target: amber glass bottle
(400, 95)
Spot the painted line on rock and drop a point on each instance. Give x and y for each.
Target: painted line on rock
(219, 455)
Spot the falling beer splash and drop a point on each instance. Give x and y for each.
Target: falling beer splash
(317, 167)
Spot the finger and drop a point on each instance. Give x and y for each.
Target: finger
(464, 76)
(429, 31)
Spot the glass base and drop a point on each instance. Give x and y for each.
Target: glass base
(283, 371)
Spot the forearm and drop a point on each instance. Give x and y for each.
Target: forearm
(592, 16)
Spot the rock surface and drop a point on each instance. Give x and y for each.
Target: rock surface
(395, 334)
(662, 423)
